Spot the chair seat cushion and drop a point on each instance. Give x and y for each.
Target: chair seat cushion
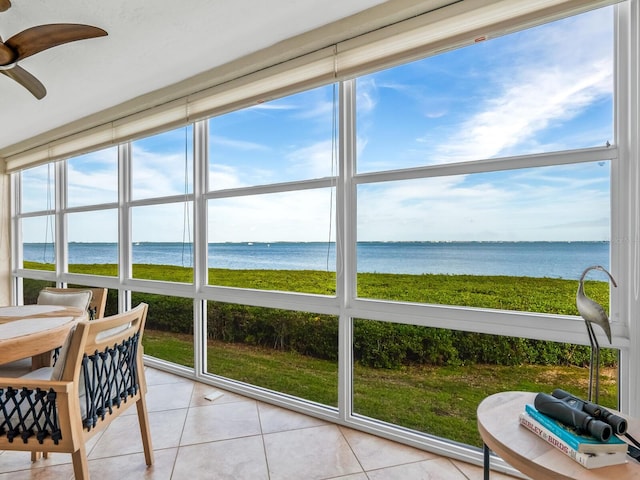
(43, 373)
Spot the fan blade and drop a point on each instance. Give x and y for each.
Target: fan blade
(4, 5)
(7, 55)
(39, 38)
(27, 80)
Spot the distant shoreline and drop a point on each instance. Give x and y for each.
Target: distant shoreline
(550, 259)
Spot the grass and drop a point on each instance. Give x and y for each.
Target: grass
(441, 401)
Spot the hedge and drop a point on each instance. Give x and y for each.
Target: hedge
(376, 344)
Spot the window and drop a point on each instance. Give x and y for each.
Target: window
(545, 222)
(278, 141)
(162, 237)
(162, 165)
(93, 242)
(276, 235)
(473, 200)
(543, 89)
(432, 379)
(37, 188)
(38, 236)
(291, 352)
(92, 179)
(168, 332)
(477, 185)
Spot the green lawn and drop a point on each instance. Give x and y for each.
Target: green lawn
(437, 400)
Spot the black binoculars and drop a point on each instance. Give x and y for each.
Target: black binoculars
(586, 417)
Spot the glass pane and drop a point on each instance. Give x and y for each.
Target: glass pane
(38, 244)
(111, 305)
(278, 141)
(541, 225)
(432, 380)
(168, 333)
(93, 242)
(295, 353)
(274, 241)
(162, 242)
(38, 188)
(31, 289)
(545, 89)
(162, 165)
(93, 178)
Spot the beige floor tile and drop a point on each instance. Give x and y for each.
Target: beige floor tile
(55, 472)
(221, 422)
(200, 390)
(169, 396)
(11, 461)
(132, 467)
(275, 419)
(235, 459)
(309, 453)
(123, 437)
(438, 469)
(375, 452)
(355, 476)
(474, 472)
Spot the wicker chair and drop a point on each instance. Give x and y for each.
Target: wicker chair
(99, 375)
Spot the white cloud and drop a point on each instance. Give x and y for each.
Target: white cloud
(157, 174)
(297, 216)
(534, 204)
(314, 161)
(548, 79)
(217, 140)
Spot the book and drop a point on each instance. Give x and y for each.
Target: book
(576, 441)
(587, 460)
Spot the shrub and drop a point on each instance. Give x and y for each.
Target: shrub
(377, 343)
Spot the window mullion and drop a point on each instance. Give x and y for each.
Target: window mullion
(124, 223)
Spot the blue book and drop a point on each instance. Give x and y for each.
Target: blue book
(578, 442)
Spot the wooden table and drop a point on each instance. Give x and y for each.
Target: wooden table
(500, 429)
(35, 331)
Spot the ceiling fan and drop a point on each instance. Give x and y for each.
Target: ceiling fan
(4, 5)
(34, 40)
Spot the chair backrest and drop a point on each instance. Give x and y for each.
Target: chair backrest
(97, 304)
(108, 364)
(64, 296)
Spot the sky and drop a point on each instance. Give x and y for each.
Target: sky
(545, 89)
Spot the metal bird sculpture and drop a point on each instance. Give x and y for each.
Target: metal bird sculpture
(593, 312)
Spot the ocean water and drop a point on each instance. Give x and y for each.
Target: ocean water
(531, 259)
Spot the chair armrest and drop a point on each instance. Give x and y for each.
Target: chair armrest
(33, 408)
(18, 382)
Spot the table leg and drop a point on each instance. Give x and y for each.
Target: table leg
(41, 360)
(487, 461)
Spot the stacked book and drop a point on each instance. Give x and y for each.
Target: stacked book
(584, 449)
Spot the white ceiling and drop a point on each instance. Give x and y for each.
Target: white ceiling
(150, 44)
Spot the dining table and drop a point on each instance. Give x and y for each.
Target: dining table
(35, 331)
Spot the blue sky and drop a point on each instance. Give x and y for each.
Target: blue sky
(541, 90)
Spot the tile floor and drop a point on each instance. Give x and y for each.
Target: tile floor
(236, 438)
